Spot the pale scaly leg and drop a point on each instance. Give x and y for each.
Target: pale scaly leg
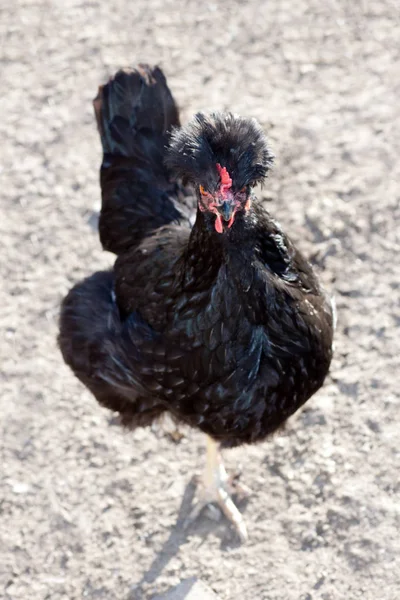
(216, 487)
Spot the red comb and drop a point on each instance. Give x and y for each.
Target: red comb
(226, 181)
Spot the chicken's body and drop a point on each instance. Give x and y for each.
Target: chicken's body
(225, 327)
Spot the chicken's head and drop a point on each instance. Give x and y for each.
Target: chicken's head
(223, 201)
(223, 156)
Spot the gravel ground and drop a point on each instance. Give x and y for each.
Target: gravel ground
(90, 511)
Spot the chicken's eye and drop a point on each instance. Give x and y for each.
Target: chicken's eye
(202, 191)
(243, 190)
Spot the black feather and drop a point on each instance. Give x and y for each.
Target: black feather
(135, 112)
(234, 142)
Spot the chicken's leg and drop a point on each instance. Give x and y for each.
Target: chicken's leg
(216, 487)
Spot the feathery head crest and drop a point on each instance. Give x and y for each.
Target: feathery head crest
(220, 139)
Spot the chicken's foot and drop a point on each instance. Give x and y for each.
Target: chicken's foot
(216, 487)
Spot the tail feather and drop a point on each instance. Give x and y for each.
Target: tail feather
(135, 112)
(134, 101)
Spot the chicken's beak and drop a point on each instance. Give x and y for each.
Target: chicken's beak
(226, 210)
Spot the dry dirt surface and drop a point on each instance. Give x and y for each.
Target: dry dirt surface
(90, 511)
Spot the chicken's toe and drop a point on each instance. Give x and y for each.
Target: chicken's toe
(215, 488)
(219, 495)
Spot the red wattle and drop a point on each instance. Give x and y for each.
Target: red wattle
(218, 224)
(230, 222)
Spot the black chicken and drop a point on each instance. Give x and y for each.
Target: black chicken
(222, 322)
